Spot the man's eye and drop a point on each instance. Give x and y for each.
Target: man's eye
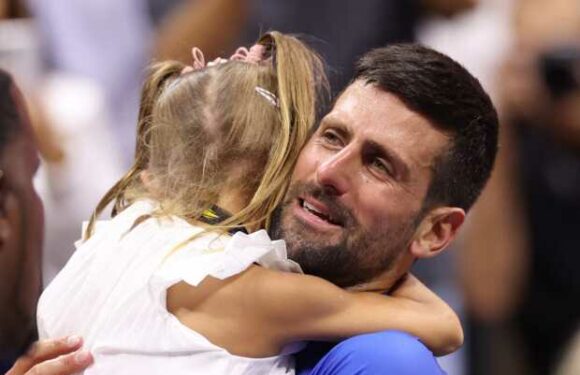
(381, 166)
(331, 137)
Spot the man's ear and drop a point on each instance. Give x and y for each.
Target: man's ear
(437, 229)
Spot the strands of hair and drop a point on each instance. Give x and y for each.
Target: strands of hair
(208, 131)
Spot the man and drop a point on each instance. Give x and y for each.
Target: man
(20, 225)
(21, 230)
(386, 179)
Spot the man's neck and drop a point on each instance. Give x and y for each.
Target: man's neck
(387, 280)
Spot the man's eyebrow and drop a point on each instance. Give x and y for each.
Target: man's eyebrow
(336, 124)
(401, 167)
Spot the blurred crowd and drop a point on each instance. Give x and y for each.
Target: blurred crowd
(512, 275)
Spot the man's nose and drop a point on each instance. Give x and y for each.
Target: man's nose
(336, 173)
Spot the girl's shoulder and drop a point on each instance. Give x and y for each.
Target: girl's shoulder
(221, 256)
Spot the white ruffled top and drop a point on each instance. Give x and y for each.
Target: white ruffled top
(113, 292)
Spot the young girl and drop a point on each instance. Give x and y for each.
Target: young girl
(173, 283)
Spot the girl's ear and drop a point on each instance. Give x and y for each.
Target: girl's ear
(145, 177)
(148, 181)
(436, 231)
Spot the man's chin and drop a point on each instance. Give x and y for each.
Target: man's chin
(297, 250)
(300, 236)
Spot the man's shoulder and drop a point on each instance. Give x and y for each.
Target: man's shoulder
(386, 352)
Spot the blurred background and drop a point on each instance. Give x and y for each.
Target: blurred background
(512, 275)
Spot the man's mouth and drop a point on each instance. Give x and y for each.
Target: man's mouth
(318, 210)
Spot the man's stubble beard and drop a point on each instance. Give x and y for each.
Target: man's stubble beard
(358, 256)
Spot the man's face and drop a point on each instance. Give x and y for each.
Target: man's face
(21, 220)
(358, 187)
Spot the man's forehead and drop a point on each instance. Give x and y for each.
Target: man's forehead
(368, 112)
(370, 107)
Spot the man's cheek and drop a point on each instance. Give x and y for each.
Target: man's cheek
(306, 164)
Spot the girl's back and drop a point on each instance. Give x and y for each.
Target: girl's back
(113, 293)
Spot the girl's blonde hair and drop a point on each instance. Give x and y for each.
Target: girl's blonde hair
(210, 130)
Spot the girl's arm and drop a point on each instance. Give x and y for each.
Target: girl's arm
(302, 307)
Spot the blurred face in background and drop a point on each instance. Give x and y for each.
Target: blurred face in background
(21, 232)
(541, 78)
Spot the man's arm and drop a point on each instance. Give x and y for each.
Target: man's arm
(211, 25)
(53, 357)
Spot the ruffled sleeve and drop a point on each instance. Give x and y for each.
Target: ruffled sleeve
(222, 260)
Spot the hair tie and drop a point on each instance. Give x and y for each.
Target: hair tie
(254, 55)
(198, 59)
(241, 54)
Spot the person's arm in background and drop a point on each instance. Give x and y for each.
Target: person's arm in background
(53, 357)
(493, 261)
(211, 25)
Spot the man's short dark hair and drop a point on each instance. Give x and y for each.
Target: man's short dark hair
(9, 115)
(445, 93)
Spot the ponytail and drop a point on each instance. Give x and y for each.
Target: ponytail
(302, 84)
